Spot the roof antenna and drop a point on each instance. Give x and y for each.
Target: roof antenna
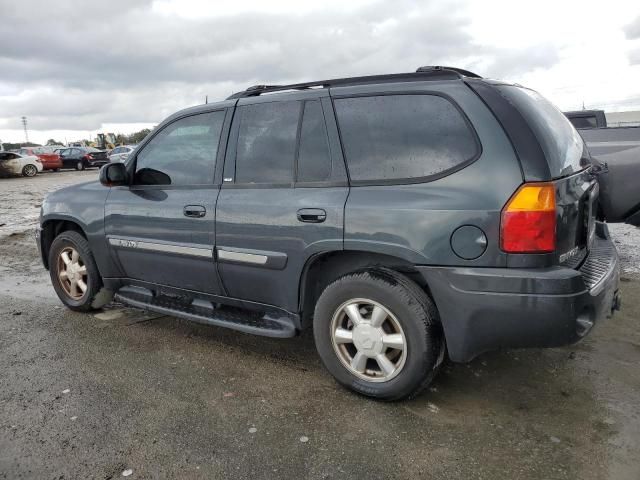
(206, 99)
(583, 105)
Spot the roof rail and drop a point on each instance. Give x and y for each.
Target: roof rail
(423, 73)
(461, 71)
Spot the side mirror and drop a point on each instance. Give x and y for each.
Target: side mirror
(113, 174)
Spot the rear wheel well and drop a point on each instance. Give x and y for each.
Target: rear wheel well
(51, 229)
(323, 269)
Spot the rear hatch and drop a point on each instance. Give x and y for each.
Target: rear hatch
(570, 170)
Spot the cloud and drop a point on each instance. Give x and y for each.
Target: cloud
(81, 64)
(632, 30)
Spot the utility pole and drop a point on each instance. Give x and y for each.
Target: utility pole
(24, 124)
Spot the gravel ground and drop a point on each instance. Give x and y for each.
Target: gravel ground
(93, 396)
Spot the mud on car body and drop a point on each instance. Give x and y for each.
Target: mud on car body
(403, 217)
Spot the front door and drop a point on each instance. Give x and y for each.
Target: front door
(283, 196)
(161, 228)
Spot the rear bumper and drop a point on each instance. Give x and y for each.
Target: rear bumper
(97, 163)
(485, 309)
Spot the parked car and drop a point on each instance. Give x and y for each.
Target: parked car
(49, 159)
(401, 216)
(617, 152)
(82, 157)
(582, 119)
(120, 154)
(14, 163)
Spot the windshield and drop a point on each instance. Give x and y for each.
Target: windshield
(561, 143)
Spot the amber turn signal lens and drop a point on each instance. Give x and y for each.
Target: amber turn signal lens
(528, 220)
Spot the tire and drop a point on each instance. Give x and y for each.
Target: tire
(409, 311)
(67, 242)
(29, 170)
(80, 165)
(56, 169)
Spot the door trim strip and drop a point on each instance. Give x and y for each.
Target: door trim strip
(242, 257)
(161, 247)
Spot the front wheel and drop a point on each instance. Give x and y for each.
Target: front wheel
(29, 170)
(378, 333)
(73, 271)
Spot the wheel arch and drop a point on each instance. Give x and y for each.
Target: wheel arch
(323, 268)
(53, 227)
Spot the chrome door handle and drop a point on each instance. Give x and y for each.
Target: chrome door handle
(194, 211)
(312, 215)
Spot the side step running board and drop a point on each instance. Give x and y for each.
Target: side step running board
(204, 312)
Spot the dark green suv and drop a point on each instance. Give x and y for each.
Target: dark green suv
(403, 217)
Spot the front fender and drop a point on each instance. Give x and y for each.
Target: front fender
(82, 205)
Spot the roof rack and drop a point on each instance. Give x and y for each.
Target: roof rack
(422, 73)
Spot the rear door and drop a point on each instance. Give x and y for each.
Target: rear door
(161, 228)
(283, 196)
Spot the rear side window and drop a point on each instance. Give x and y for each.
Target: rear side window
(560, 141)
(314, 159)
(584, 122)
(267, 142)
(395, 137)
(182, 153)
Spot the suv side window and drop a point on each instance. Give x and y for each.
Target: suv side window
(182, 153)
(395, 137)
(314, 160)
(267, 142)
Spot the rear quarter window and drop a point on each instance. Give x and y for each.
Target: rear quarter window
(561, 143)
(390, 138)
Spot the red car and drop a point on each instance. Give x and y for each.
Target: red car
(49, 159)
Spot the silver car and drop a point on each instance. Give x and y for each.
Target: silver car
(120, 154)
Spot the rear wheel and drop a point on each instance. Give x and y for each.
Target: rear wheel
(378, 334)
(80, 165)
(29, 170)
(73, 271)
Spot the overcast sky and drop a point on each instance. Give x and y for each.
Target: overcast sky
(76, 67)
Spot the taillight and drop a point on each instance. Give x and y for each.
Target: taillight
(87, 157)
(528, 221)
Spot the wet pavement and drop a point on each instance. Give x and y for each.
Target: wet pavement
(96, 395)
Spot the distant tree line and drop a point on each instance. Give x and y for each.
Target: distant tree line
(134, 138)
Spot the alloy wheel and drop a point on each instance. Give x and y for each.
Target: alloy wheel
(72, 273)
(368, 340)
(30, 170)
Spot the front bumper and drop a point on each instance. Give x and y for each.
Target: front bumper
(484, 309)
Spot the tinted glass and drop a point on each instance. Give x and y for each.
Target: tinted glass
(393, 137)
(560, 141)
(183, 153)
(267, 142)
(314, 161)
(584, 122)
